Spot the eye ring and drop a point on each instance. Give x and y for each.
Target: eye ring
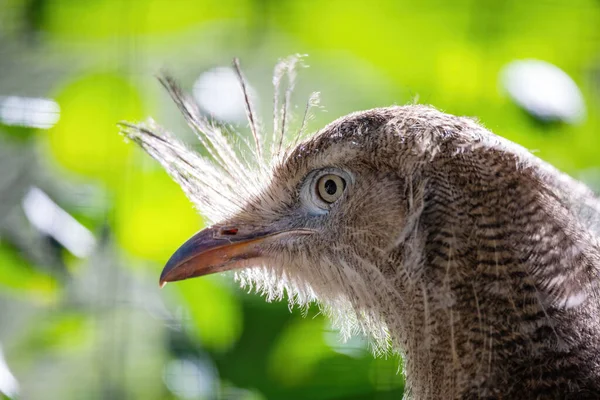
(320, 202)
(330, 187)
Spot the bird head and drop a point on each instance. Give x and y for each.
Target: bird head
(323, 223)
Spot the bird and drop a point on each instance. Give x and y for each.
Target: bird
(472, 258)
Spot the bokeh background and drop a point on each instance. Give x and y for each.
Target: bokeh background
(87, 220)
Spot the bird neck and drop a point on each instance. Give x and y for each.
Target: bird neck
(503, 295)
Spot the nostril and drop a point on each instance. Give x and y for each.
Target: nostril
(229, 231)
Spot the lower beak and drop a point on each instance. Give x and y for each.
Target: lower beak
(216, 249)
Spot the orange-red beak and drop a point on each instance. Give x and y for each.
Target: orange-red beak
(219, 248)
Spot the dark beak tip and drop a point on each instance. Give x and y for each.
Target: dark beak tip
(162, 281)
(167, 274)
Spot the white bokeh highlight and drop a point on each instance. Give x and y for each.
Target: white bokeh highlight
(218, 92)
(29, 112)
(190, 379)
(544, 90)
(49, 218)
(8, 383)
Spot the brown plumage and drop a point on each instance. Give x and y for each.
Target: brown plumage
(476, 260)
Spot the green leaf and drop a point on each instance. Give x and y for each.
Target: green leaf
(101, 19)
(19, 278)
(85, 140)
(302, 341)
(214, 312)
(153, 216)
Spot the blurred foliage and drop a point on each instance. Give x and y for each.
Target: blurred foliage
(98, 327)
(83, 139)
(140, 229)
(19, 277)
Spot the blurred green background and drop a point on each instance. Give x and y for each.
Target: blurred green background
(87, 221)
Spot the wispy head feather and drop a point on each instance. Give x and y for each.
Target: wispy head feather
(222, 182)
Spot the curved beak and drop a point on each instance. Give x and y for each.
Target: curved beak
(218, 248)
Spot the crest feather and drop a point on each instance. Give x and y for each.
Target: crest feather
(221, 183)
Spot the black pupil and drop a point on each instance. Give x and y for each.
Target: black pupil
(330, 187)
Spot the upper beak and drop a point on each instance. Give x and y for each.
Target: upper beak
(218, 248)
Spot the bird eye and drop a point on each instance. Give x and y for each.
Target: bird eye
(330, 187)
(323, 187)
